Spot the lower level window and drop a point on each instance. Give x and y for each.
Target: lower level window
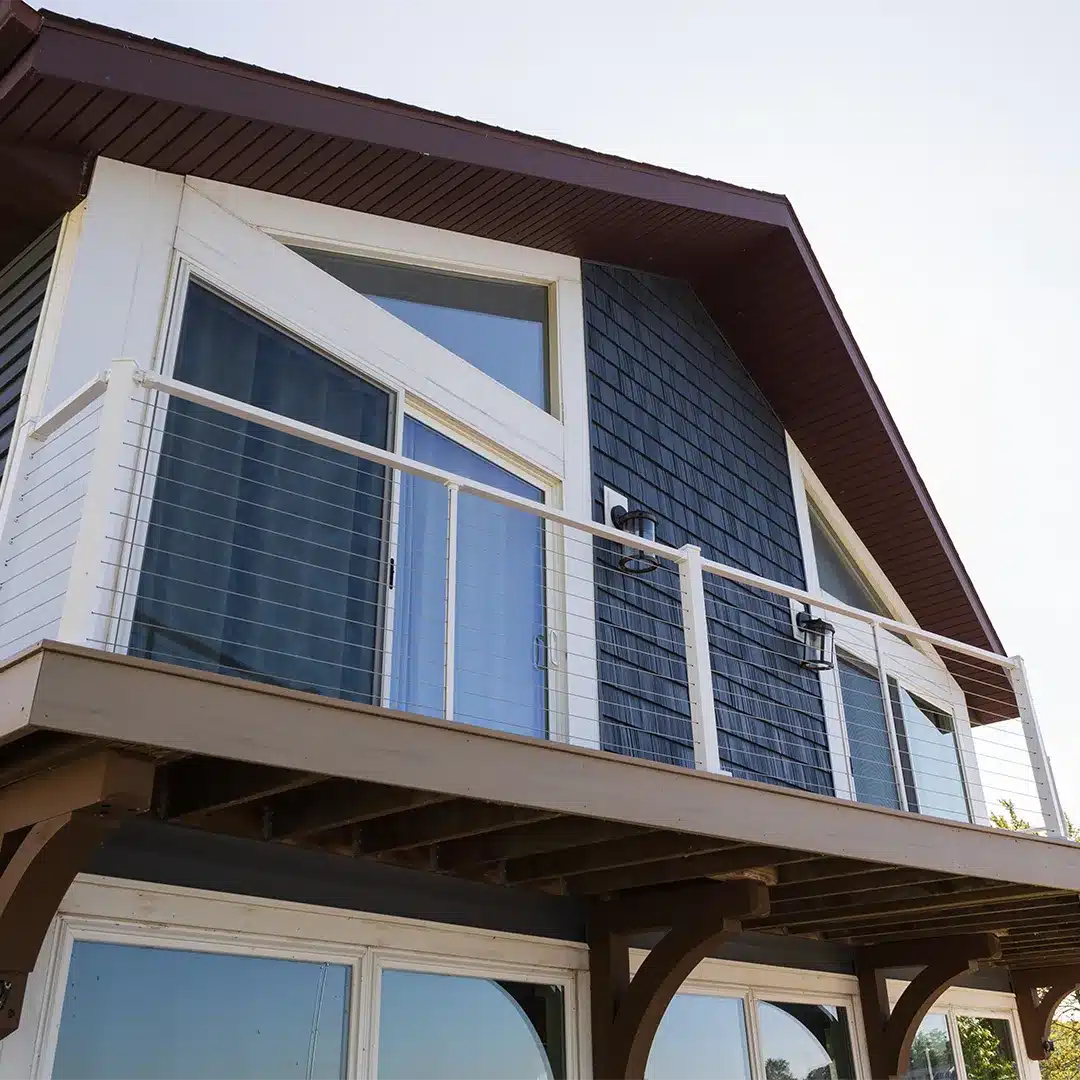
(448, 1027)
(805, 1042)
(984, 1043)
(701, 1037)
(705, 1037)
(133, 1011)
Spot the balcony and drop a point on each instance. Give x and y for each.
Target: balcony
(153, 518)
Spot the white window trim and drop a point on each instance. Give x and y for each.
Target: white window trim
(908, 664)
(112, 909)
(140, 233)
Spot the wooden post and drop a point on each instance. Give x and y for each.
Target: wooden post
(890, 1032)
(627, 1012)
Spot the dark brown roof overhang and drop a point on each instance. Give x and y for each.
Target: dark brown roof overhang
(71, 90)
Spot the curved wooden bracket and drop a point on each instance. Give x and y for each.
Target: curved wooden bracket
(626, 1013)
(890, 1032)
(42, 851)
(1039, 991)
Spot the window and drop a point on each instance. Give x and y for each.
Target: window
(929, 757)
(499, 613)
(263, 554)
(837, 573)
(701, 1037)
(447, 1027)
(805, 1041)
(706, 1037)
(918, 736)
(985, 1048)
(868, 736)
(133, 1011)
(499, 327)
(932, 1051)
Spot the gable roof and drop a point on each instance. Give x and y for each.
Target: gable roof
(72, 90)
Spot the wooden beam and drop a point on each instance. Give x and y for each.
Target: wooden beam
(994, 917)
(297, 814)
(869, 881)
(540, 838)
(890, 1032)
(627, 1012)
(204, 785)
(731, 861)
(1039, 991)
(436, 824)
(856, 914)
(825, 869)
(974, 925)
(671, 905)
(91, 693)
(106, 778)
(79, 804)
(614, 854)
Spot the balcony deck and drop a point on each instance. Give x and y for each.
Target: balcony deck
(289, 767)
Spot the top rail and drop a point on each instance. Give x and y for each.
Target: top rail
(242, 411)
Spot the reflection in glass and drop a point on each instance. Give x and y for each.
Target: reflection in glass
(868, 736)
(157, 1014)
(932, 1052)
(263, 555)
(701, 1037)
(837, 574)
(497, 326)
(453, 1027)
(929, 756)
(986, 1044)
(500, 594)
(805, 1042)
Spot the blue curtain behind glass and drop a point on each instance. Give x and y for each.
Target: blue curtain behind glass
(263, 553)
(868, 736)
(500, 595)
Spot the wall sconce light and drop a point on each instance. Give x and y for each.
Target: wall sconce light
(817, 641)
(640, 523)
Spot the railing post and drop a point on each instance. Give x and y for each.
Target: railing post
(698, 660)
(1049, 801)
(83, 597)
(452, 492)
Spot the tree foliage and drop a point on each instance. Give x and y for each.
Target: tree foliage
(1064, 1062)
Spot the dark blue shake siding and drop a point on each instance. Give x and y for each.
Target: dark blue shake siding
(679, 427)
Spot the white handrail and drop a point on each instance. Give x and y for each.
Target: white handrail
(387, 458)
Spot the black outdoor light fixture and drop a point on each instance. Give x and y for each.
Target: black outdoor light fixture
(640, 523)
(817, 641)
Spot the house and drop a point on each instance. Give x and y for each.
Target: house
(466, 610)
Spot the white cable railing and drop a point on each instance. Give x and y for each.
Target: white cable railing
(154, 517)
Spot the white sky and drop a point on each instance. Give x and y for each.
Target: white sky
(931, 151)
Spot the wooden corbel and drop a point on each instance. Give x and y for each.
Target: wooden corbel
(890, 1032)
(627, 1012)
(51, 823)
(1039, 991)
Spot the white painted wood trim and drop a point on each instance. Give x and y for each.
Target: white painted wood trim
(698, 661)
(352, 232)
(287, 290)
(831, 697)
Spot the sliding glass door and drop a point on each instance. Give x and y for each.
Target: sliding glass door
(499, 624)
(263, 553)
